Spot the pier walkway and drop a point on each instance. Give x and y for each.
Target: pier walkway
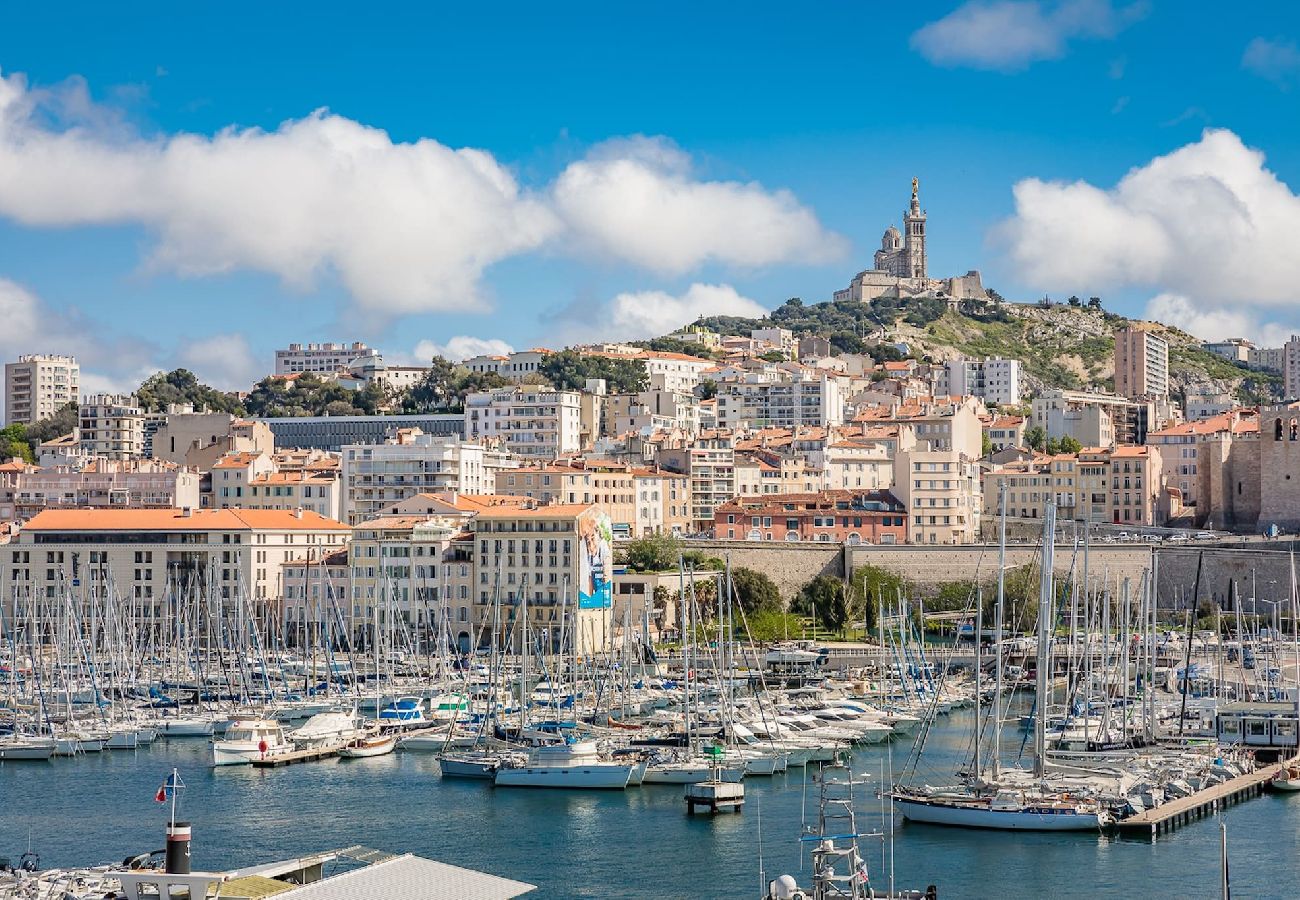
(288, 758)
(1176, 813)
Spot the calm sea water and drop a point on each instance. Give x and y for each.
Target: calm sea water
(640, 843)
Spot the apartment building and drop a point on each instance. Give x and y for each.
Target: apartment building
(941, 491)
(416, 569)
(39, 385)
(648, 411)
(1135, 486)
(1006, 431)
(605, 483)
(1028, 484)
(530, 422)
(1233, 349)
(199, 439)
(763, 473)
(111, 426)
(515, 366)
(413, 462)
(555, 561)
(1092, 418)
(810, 398)
(232, 478)
(954, 425)
(852, 517)
(663, 501)
(153, 556)
(106, 484)
(319, 358)
(1141, 363)
(994, 380)
(710, 464)
(318, 490)
(314, 597)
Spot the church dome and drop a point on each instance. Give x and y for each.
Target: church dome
(891, 240)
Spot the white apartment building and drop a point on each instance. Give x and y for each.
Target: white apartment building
(995, 380)
(1291, 367)
(1093, 419)
(710, 464)
(112, 426)
(531, 422)
(811, 400)
(326, 357)
(515, 366)
(377, 475)
(37, 386)
(152, 556)
(317, 490)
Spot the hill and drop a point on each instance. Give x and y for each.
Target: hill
(1058, 344)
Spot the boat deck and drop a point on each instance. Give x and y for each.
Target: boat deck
(277, 760)
(1176, 813)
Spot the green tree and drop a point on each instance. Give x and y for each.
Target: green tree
(707, 389)
(774, 356)
(570, 370)
(1068, 444)
(445, 386)
(877, 587)
(181, 386)
(825, 598)
(1035, 437)
(13, 443)
(64, 420)
(311, 395)
(1094, 302)
(754, 590)
(986, 445)
(653, 553)
(767, 625)
(1074, 301)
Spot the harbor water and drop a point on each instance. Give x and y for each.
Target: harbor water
(639, 843)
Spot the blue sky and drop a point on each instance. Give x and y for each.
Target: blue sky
(780, 141)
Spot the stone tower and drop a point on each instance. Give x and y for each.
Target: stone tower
(914, 237)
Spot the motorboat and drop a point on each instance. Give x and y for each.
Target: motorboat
(573, 764)
(404, 712)
(249, 739)
(1286, 780)
(327, 729)
(481, 765)
(369, 745)
(184, 726)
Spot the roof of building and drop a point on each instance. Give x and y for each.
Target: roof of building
(295, 476)
(237, 460)
(1129, 451)
(411, 878)
(180, 520)
(543, 511)
(334, 559)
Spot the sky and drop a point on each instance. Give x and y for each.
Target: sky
(196, 185)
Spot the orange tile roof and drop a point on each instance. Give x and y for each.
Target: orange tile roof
(175, 520)
(236, 460)
(1129, 451)
(393, 523)
(554, 510)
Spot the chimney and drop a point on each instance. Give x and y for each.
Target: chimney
(178, 849)
(187, 512)
(297, 513)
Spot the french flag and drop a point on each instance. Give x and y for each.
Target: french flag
(161, 796)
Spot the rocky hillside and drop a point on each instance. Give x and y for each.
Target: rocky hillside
(1059, 345)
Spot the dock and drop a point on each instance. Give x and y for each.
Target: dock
(1177, 813)
(715, 796)
(277, 760)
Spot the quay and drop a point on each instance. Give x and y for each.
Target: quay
(1176, 813)
(277, 760)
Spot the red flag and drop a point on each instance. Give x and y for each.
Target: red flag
(161, 796)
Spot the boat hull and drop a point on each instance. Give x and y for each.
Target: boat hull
(368, 749)
(477, 769)
(34, 751)
(962, 816)
(608, 778)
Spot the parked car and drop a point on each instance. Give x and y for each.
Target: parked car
(1179, 537)
(1204, 536)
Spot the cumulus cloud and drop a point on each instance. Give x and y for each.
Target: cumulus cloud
(1007, 35)
(406, 227)
(1208, 222)
(637, 315)
(637, 200)
(224, 361)
(1277, 60)
(460, 347)
(1215, 323)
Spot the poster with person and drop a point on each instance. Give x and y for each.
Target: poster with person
(595, 561)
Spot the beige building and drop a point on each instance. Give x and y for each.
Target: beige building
(198, 440)
(314, 597)
(106, 484)
(941, 491)
(560, 558)
(710, 463)
(152, 556)
(37, 386)
(317, 490)
(1135, 486)
(1141, 363)
(112, 426)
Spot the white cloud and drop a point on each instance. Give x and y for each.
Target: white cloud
(645, 314)
(458, 348)
(406, 227)
(1211, 323)
(224, 361)
(1006, 35)
(1207, 222)
(636, 200)
(1277, 60)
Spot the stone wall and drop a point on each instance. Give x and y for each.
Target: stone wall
(930, 566)
(788, 563)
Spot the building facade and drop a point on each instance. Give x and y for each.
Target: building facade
(326, 357)
(853, 517)
(1141, 364)
(533, 423)
(111, 426)
(38, 385)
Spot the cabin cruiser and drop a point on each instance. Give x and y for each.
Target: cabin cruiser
(327, 729)
(249, 739)
(571, 764)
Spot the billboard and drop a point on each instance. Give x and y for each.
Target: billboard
(595, 561)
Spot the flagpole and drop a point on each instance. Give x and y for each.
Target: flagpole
(174, 780)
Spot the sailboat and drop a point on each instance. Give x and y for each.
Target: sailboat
(987, 799)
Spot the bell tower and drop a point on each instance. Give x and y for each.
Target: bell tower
(914, 236)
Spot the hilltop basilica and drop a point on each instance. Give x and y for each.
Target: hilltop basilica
(899, 270)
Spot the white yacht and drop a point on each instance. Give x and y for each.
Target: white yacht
(249, 739)
(26, 747)
(567, 765)
(326, 729)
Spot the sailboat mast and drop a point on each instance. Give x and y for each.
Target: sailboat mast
(996, 750)
(1045, 616)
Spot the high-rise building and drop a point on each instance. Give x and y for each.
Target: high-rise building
(112, 426)
(535, 423)
(1141, 364)
(994, 380)
(37, 386)
(328, 357)
(1291, 367)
